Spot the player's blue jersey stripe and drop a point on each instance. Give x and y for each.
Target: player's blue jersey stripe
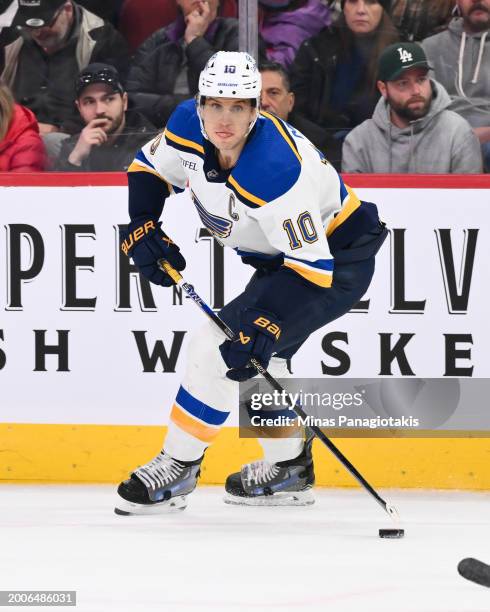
(184, 123)
(266, 148)
(343, 190)
(283, 126)
(199, 409)
(142, 157)
(319, 264)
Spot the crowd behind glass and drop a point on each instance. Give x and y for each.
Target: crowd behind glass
(376, 85)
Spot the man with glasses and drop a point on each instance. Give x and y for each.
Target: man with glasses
(57, 38)
(112, 133)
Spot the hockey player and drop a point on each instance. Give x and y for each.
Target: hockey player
(264, 190)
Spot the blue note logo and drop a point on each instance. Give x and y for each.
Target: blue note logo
(218, 226)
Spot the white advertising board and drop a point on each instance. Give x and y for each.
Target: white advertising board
(83, 341)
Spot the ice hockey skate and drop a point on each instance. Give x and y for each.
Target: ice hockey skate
(160, 486)
(285, 483)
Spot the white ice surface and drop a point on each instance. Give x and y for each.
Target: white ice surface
(215, 557)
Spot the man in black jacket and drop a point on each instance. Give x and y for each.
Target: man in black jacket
(166, 67)
(112, 134)
(57, 39)
(278, 99)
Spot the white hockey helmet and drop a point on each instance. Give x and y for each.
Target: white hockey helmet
(230, 74)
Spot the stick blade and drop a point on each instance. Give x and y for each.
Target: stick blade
(475, 570)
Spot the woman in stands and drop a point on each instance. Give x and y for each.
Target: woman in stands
(21, 147)
(334, 73)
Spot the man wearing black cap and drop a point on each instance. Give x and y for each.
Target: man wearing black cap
(56, 39)
(411, 129)
(112, 134)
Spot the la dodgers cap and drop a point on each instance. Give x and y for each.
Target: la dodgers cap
(399, 57)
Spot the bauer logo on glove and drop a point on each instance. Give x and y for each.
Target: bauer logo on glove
(258, 333)
(274, 329)
(129, 242)
(146, 243)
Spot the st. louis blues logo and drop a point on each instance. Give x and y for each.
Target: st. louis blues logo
(216, 225)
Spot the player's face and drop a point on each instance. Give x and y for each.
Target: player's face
(476, 14)
(362, 16)
(52, 35)
(275, 98)
(99, 101)
(226, 122)
(410, 96)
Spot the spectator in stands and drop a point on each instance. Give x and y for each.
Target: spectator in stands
(276, 95)
(138, 19)
(21, 147)
(112, 135)
(278, 99)
(460, 57)
(8, 10)
(285, 24)
(417, 19)
(166, 67)
(412, 129)
(57, 39)
(334, 73)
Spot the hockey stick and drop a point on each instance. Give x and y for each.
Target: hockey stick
(189, 289)
(475, 570)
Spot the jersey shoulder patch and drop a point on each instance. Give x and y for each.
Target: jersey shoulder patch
(183, 131)
(269, 166)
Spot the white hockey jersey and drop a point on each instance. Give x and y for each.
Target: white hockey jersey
(282, 196)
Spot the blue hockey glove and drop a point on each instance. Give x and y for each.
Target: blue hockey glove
(146, 243)
(258, 332)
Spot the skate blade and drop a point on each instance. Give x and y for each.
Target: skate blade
(284, 498)
(126, 508)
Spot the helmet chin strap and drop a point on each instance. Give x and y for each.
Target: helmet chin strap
(201, 122)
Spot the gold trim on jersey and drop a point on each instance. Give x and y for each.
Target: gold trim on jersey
(137, 167)
(184, 142)
(283, 133)
(317, 278)
(245, 193)
(346, 211)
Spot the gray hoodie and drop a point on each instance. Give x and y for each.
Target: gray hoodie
(461, 63)
(440, 142)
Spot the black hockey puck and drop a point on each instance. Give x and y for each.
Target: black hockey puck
(122, 512)
(475, 570)
(392, 533)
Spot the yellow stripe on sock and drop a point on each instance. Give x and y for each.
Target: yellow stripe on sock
(192, 426)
